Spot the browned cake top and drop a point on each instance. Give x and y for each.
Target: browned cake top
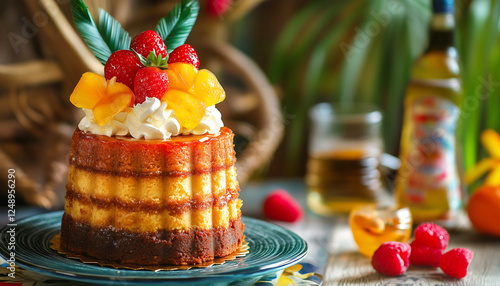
(178, 156)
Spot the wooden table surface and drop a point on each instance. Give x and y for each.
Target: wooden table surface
(333, 249)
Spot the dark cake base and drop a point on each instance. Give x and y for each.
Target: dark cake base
(164, 247)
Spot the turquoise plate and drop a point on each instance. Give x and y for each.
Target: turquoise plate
(272, 248)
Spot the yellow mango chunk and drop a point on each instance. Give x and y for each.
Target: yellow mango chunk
(118, 97)
(175, 81)
(184, 76)
(105, 98)
(188, 109)
(207, 88)
(89, 91)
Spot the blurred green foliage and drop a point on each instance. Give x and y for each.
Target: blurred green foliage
(349, 52)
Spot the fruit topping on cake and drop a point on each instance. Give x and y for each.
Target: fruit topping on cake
(207, 88)
(150, 82)
(184, 54)
(123, 64)
(154, 65)
(189, 109)
(106, 98)
(181, 75)
(191, 92)
(147, 42)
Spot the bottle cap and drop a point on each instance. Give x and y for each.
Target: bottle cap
(443, 6)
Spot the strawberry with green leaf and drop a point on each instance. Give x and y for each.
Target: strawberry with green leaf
(147, 50)
(123, 64)
(108, 36)
(124, 57)
(140, 63)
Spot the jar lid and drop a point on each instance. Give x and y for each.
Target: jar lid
(353, 122)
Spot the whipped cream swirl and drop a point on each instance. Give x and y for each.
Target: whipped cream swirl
(151, 120)
(210, 123)
(115, 126)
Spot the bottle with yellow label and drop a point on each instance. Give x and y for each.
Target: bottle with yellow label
(428, 181)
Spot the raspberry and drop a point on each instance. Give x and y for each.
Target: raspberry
(432, 235)
(280, 205)
(424, 255)
(456, 261)
(392, 258)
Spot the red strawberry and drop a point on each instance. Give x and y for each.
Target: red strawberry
(217, 7)
(184, 54)
(150, 82)
(123, 64)
(280, 205)
(148, 41)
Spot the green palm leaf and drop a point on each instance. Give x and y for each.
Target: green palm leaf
(374, 69)
(480, 58)
(315, 68)
(176, 26)
(281, 54)
(112, 32)
(103, 39)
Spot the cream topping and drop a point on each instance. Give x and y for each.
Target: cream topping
(210, 123)
(115, 126)
(151, 120)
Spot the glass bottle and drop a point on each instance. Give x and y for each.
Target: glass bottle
(429, 179)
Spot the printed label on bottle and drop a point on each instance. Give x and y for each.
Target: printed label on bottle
(434, 179)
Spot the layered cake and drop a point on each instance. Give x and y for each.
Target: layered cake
(152, 201)
(152, 178)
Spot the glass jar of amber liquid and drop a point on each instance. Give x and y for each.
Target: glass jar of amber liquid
(372, 226)
(344, 158)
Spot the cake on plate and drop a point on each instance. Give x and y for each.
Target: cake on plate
(152, 179)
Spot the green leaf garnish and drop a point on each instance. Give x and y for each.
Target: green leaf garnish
(112, 32)
(103, 39)
(176, 26)
(153, 60)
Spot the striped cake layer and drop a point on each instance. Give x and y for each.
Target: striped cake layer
(173, 201)
(145, 221)
(154, 189)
